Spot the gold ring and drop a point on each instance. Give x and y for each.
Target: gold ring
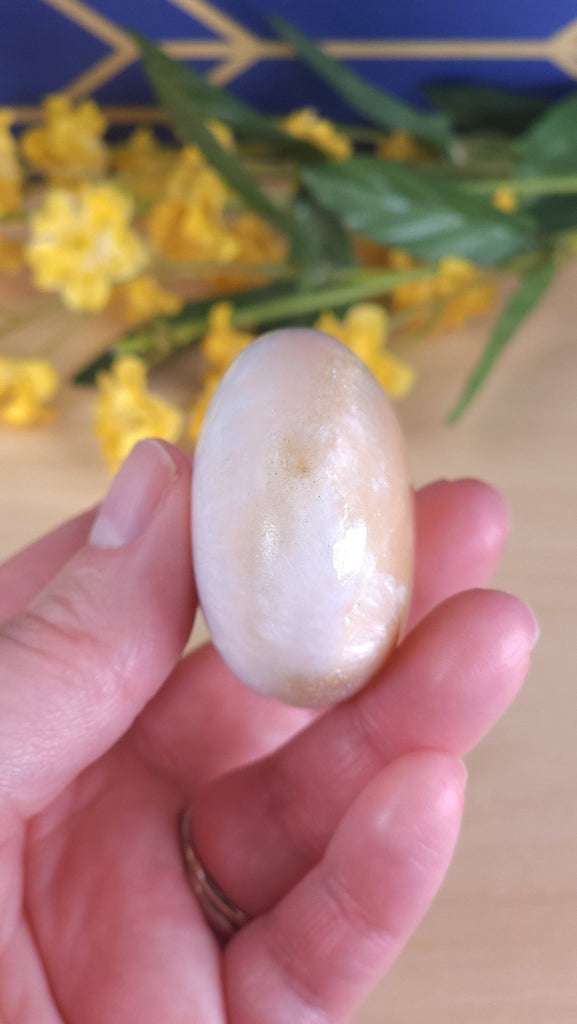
(223, 917)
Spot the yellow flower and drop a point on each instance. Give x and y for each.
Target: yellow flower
(144, 298)
(126, 412)
(364, 330)
(10, 170)
(192, 231)
(257, 241)
(252, 244)
(400, 146)
(453, 274)
(222, 134)
(189, 224)
(201, 404)
(474, 301)
(26, 385)
(220, 346)
(134, 156)
(11, 255)
(448, 298)
(191, 163)
(306, 124)
(222, 342)
(143, 164)
(415, 293)
(505, 199)
(82, 244)
(185, 173)
(68, 146)
(192, 223)
(467, 295)
(395, 376)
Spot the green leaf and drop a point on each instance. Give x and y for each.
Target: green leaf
(550, 145)
(376, 105)
(399, 206)
(219, 105)
(86, 377)
(189, 122)
(523, 301)
(554, 214)
(480, 107)
(323, 242)
(197, 311)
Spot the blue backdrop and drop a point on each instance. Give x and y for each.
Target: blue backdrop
(79, 45)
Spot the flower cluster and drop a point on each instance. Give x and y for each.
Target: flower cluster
(144, 298)
(364, 329)
(142, 165)
(69, 146)
(108, 227)
(307, 125)
(505, 199)
(456, 293)
(400, 147)
(82, 244)
(188, 223)
(220, 346)
(85, 242)
(194, 221)
(26, 388)
(126, 411)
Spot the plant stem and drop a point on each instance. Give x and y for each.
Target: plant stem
(157, 341)
(554, 184)
(465, 173)
(370, 285)
(333, 296)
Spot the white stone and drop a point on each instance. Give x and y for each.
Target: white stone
(302, 520)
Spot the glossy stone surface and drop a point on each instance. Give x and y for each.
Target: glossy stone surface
(302, 520)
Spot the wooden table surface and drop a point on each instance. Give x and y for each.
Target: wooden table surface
(500, 944)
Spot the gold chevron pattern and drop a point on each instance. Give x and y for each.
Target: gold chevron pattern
(235, 49)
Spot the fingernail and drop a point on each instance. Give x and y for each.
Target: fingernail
(535, 627)
(133, 496)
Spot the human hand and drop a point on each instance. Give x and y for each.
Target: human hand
(334, 838)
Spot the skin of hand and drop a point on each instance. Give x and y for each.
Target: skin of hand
(333, 830)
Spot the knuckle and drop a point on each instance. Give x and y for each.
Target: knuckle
(367, 731)
(297, 832)
(56, 638)
(358, 917)
(286, 956)
(360, 920)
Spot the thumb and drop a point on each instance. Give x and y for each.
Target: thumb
(81, 661)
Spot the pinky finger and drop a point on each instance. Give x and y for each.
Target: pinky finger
(318, 953)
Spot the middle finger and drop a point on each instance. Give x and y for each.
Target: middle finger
(204, 723)
(260, 829)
